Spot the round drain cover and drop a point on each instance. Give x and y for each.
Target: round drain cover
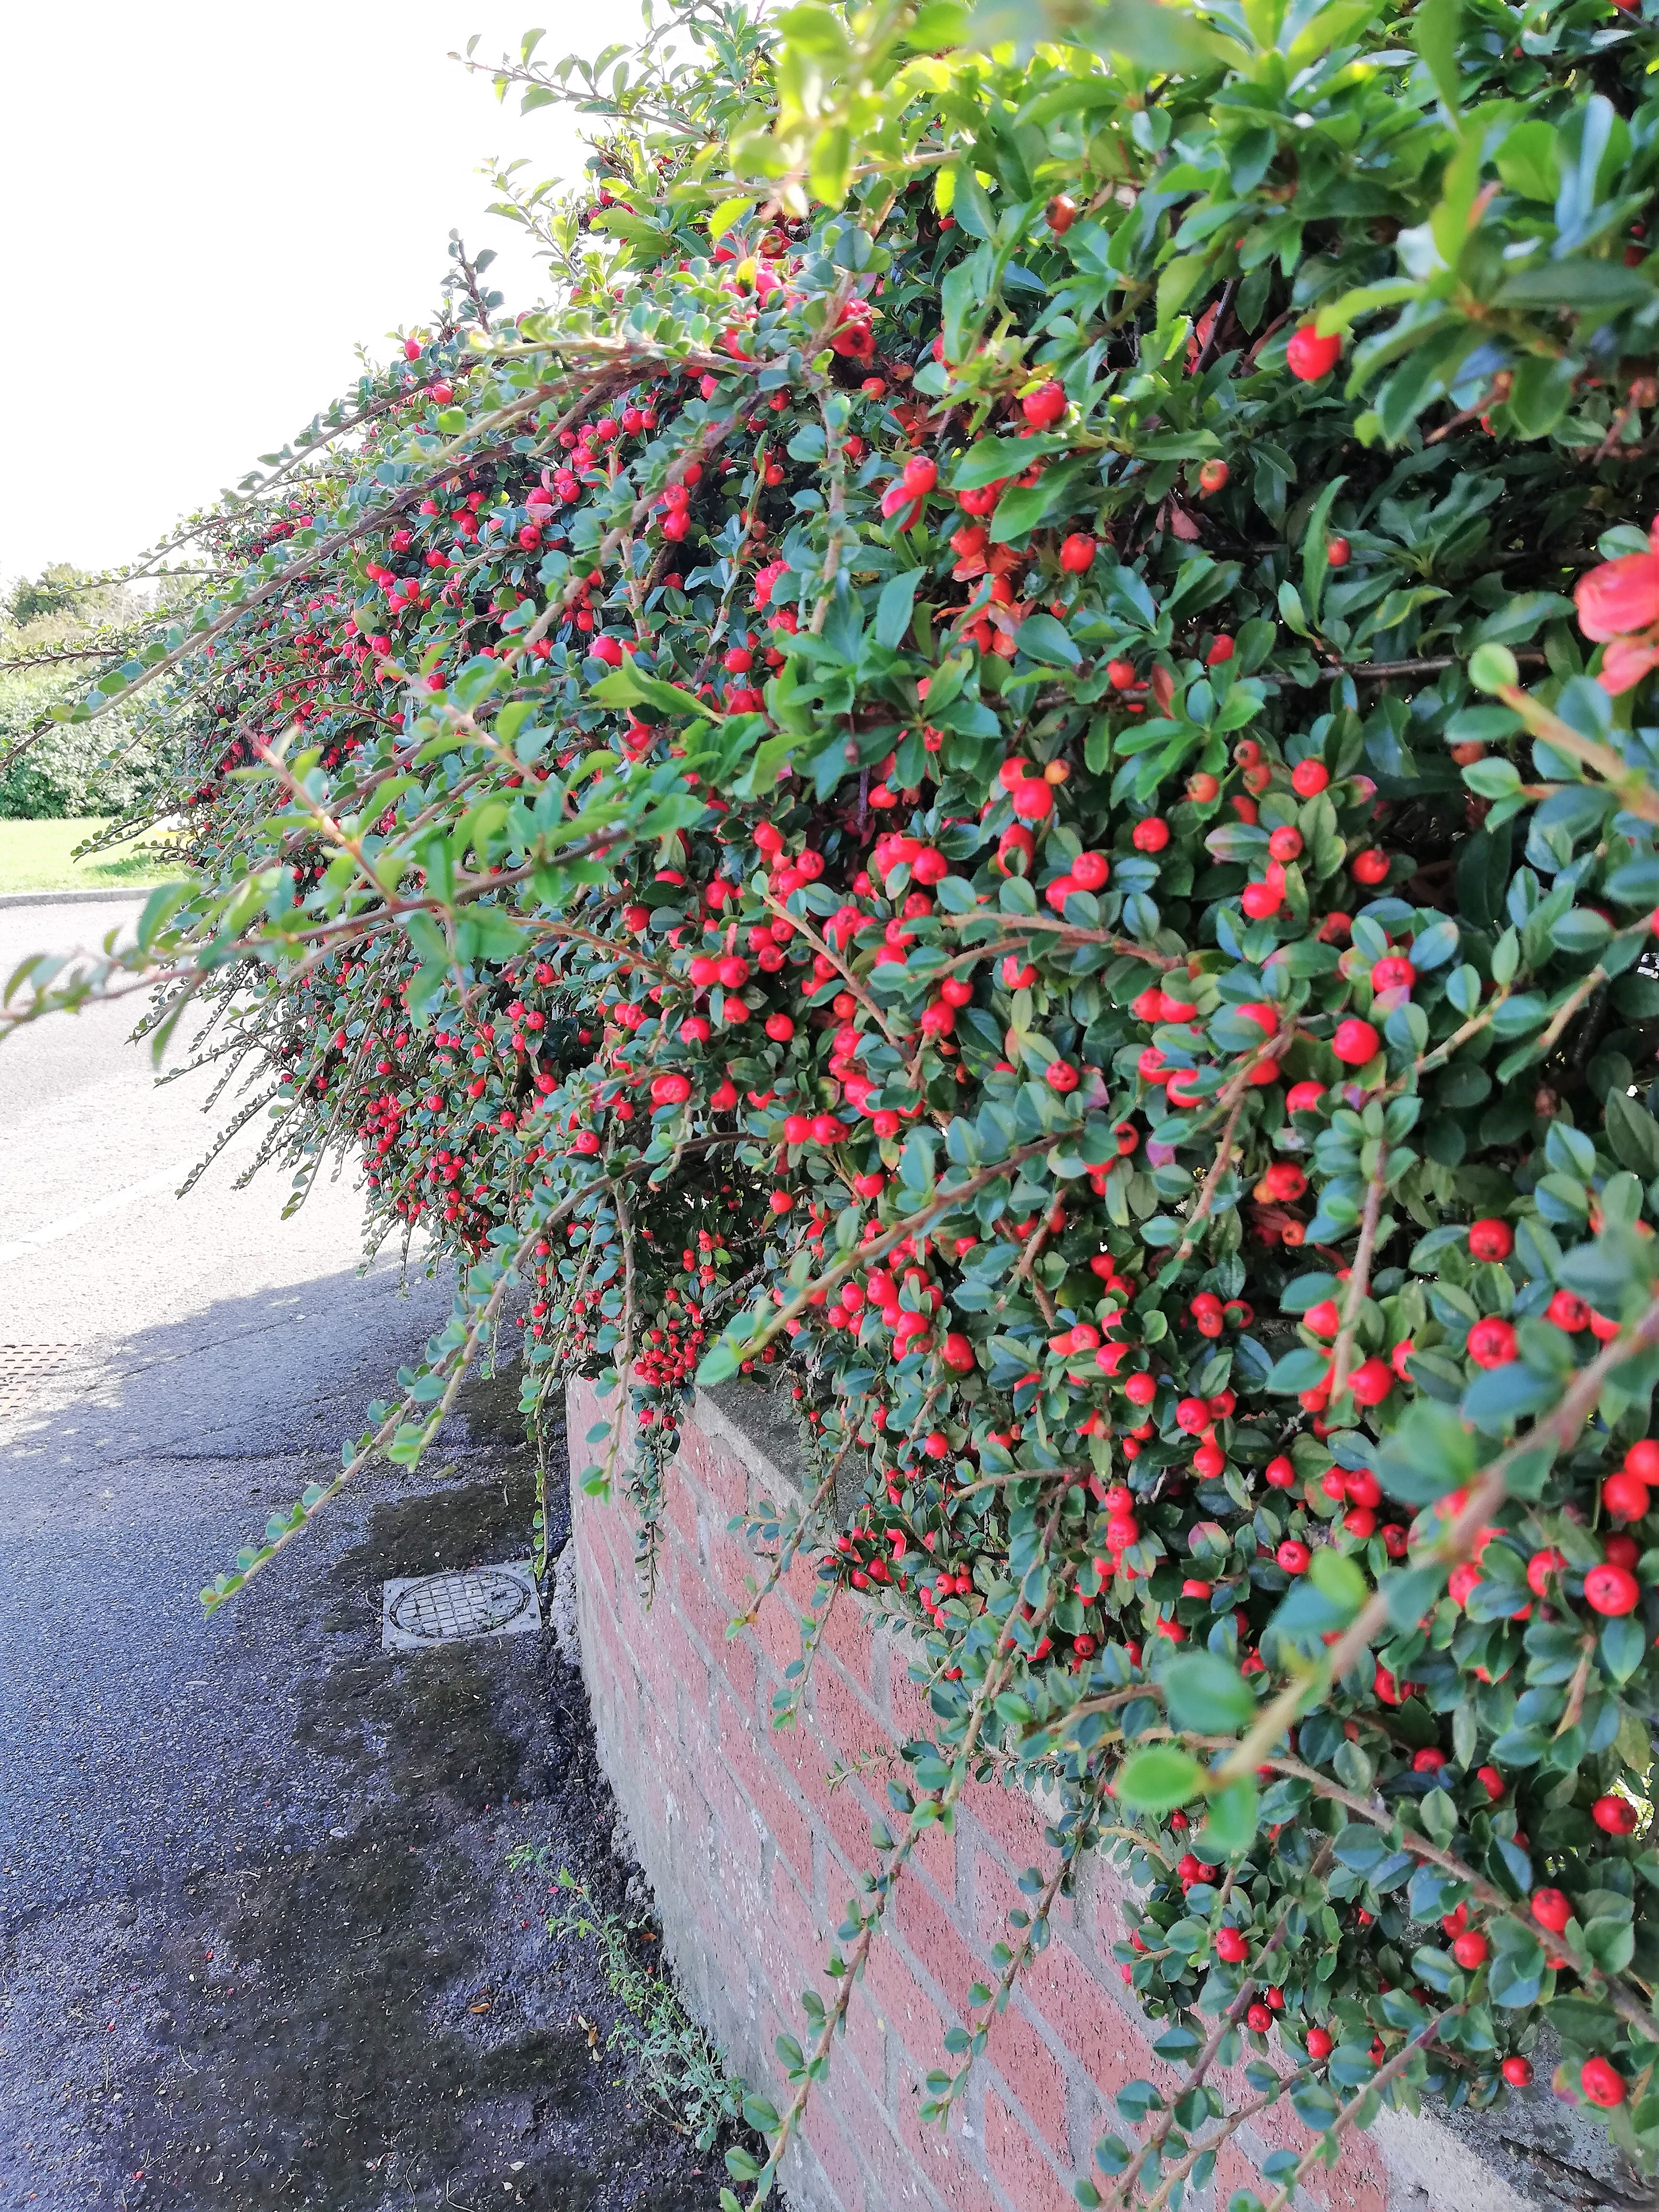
(478, 1603)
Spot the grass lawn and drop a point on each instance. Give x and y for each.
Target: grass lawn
(34, 856)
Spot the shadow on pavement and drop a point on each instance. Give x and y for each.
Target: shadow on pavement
(261, 1946)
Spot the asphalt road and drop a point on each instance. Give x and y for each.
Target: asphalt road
(260, 1947)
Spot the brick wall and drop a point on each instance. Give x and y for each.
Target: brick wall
(751, 1855)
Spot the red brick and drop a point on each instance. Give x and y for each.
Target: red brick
(737, 1834)
(707, 1615)
(1058, 1987)
(1030, 2181)
(1235, 2171)
(847, 1816)
(1009, 1818)
(663, 1654)
(849, 1636)
(1357, 2183)
(867, 2040)
(935, 1853)
(802, 1932)
(942, 2156)
(691, 1463)
(778, 1632)
(1276, 2127)
(908, 1703)
(790, 1827)
(935, 1943)
(804, 1758)
(841, 2114)
(723, 1477)
(799, 1585)
(682, 1515)
(1035, 2075)
(891, 1988)
(843, 1717)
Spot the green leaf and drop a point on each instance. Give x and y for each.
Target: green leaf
(1633, 1134)
(1338, 1579)
(1233, 1814)
(1429, 1453)
(1167, 40)
(1158, 1778)
(1040, 637)
(893, 608)
(990, 460)
(1434, 34)
(724, 215)
(719, 1363)
(1206, 1695)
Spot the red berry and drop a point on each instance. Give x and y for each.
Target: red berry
(1393, 973)
(1212, 476)
(1611, 1590)
(1320, 2045)
(1641, 1461)
(1337, 551)
(1308, 778)
(1371, 1382)
(1232, 1945)
(1550, 1909)
(1601, 2082)
(1541, 1568)
(1517, 2071)
(1309, 356)
(1491, 1343)
(1045, 406)
(1626, 1496)
(1470, 1949)
(1076, 552)
(1355, 1041)
(1293, 1556)
(1614, 1816)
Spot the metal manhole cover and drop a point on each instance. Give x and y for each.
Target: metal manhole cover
(419, 1611)
(24, 1365)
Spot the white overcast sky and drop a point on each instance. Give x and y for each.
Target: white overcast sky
(210, 204)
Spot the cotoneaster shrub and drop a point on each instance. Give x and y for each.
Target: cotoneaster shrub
(1012, 761)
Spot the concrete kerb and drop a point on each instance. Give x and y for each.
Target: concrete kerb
(136, 895)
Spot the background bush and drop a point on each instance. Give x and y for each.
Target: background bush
(104, 768)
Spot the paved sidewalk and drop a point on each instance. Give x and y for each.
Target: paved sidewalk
(260, 1948)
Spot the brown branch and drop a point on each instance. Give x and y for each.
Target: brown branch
(1359, 1275)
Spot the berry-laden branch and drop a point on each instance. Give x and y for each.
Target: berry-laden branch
(1485, 1495)
(1367, 2101)
(1122, 2194)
